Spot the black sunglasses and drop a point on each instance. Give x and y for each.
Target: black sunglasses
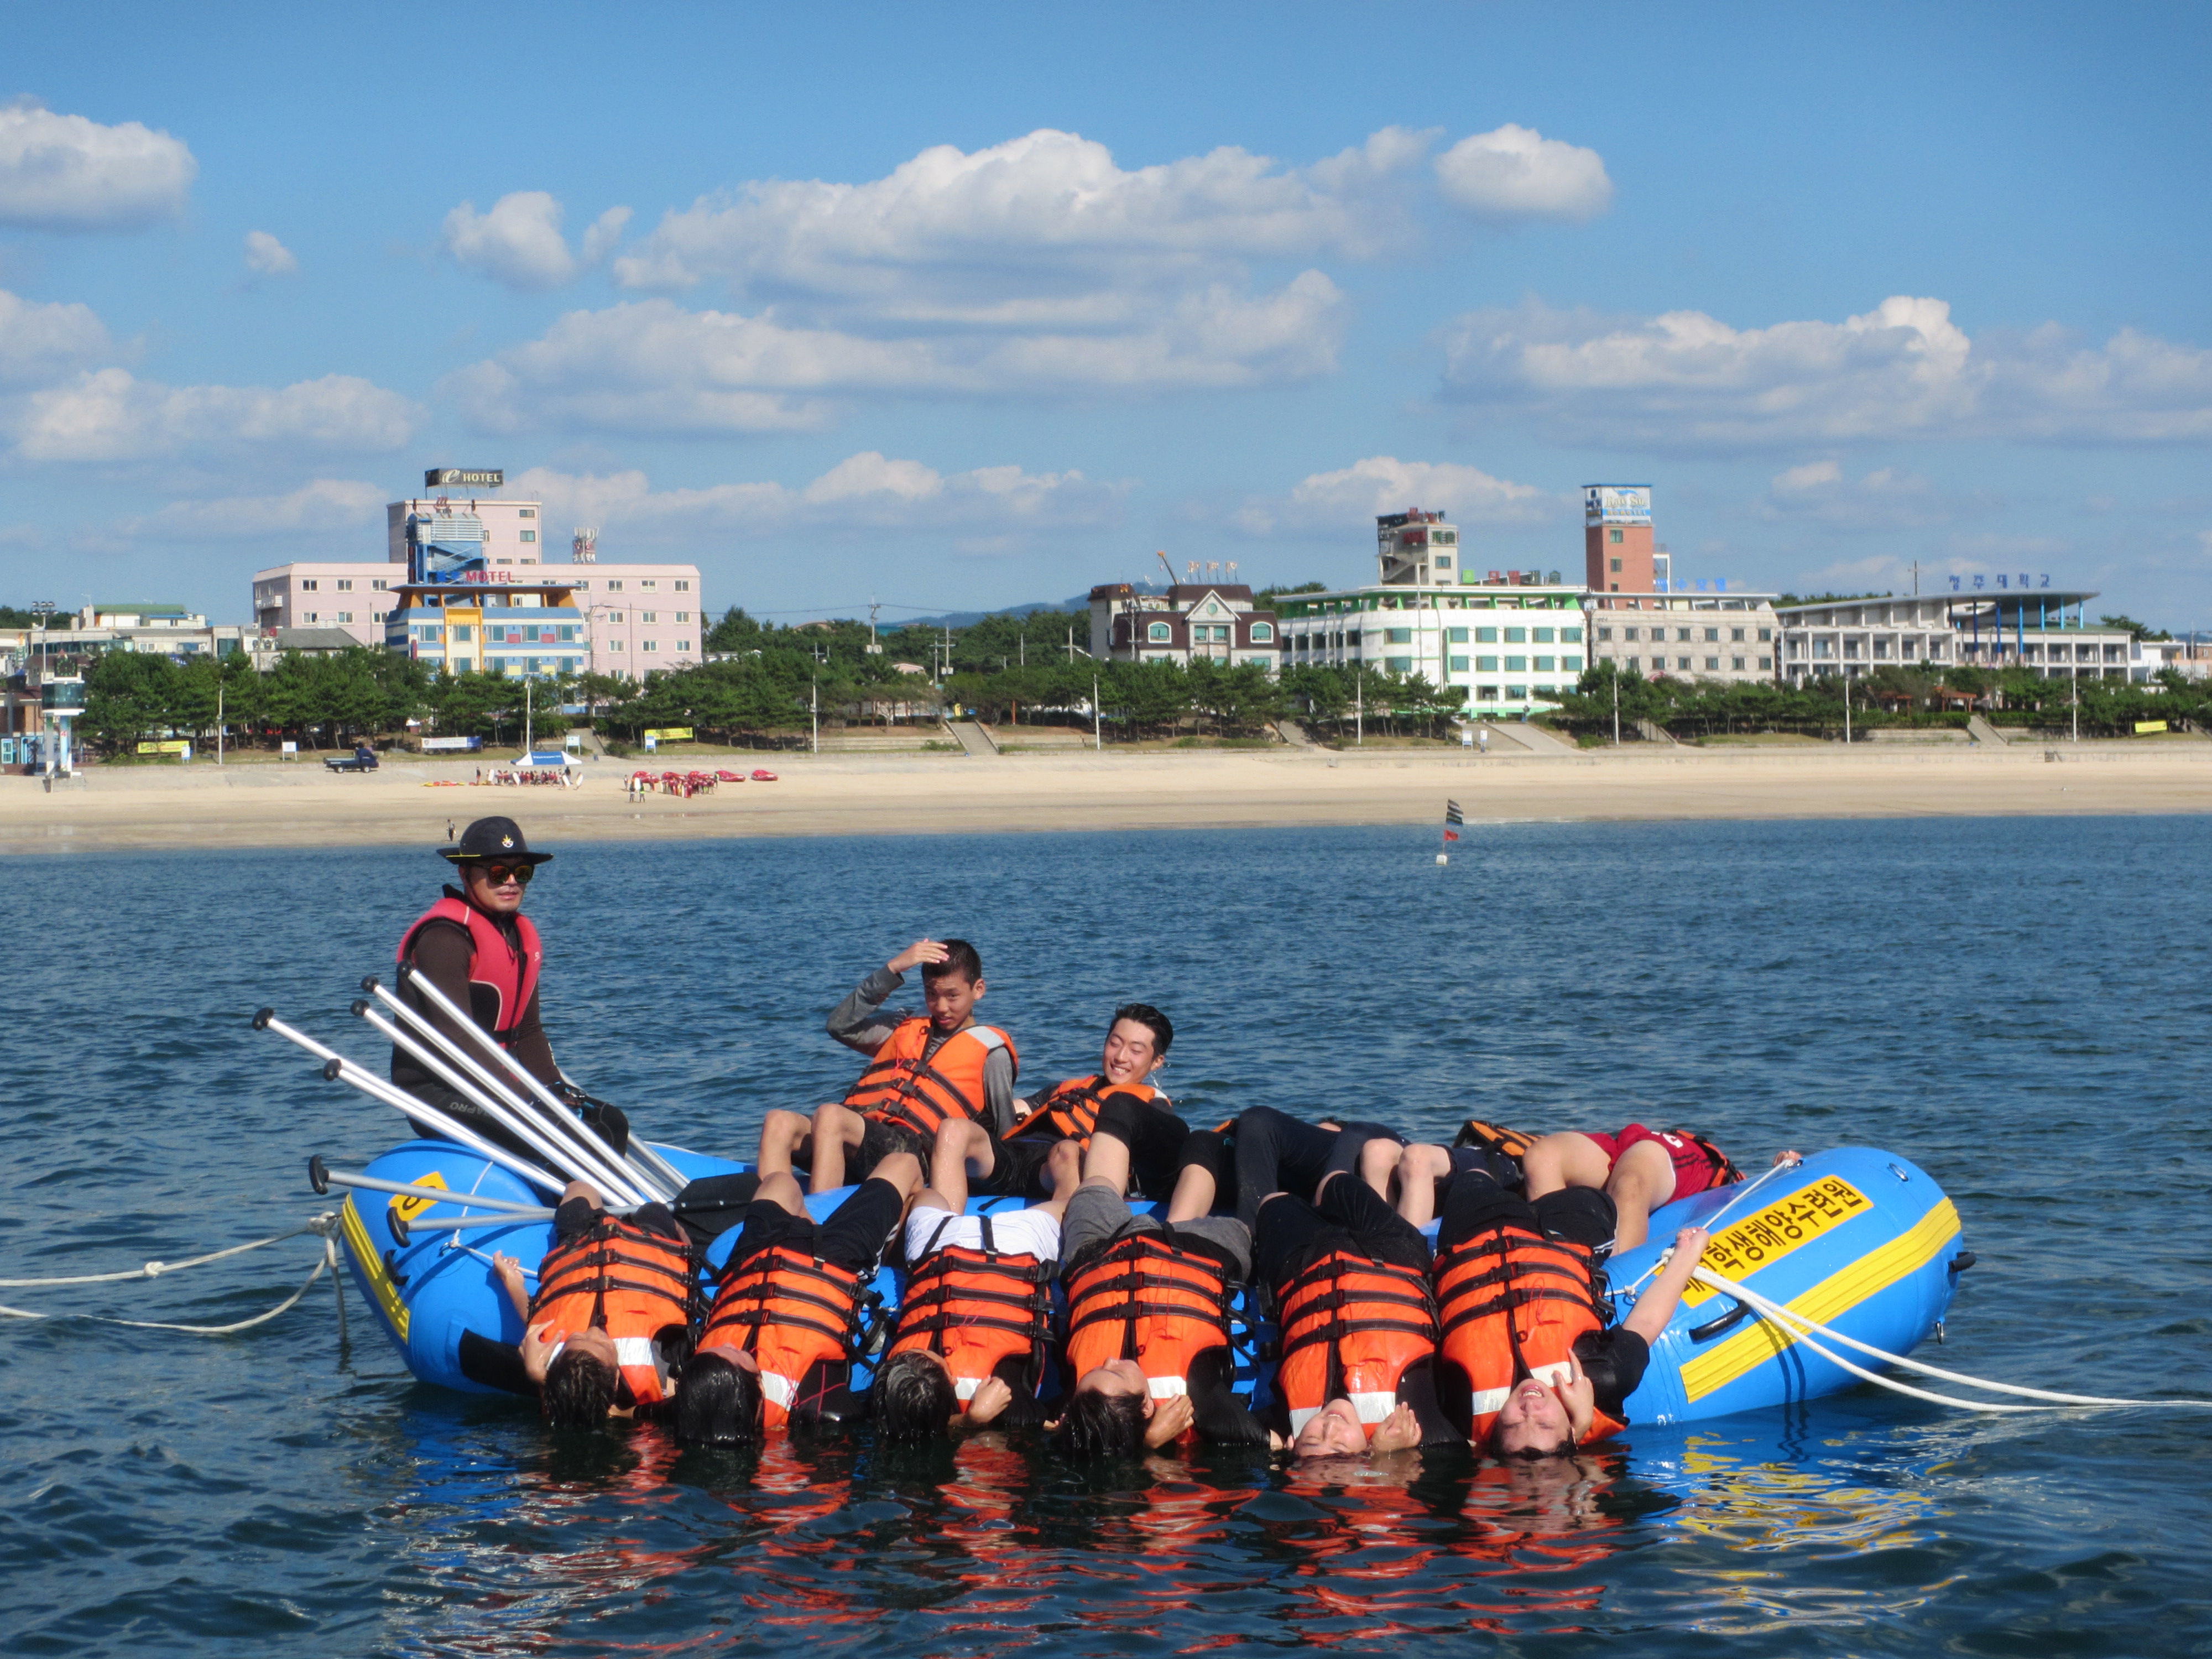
(498, 874)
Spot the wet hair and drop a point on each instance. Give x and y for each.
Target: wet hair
(717, 1404)
(960, 957)
(1161, 1027)
(1101, 1425)
(1534, 1454)
(580, 1389)
(913, 1397)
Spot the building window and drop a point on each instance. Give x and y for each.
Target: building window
(583, 587)
(1516, 666)
(1401, 636)
(1399, 665)
(1456, 635)
(1614, 536)
(312, 617)
(1485, 636)
(1263, 633)
(1547, 664)
(615, 587)
(1571, 637)
(308, 586)
(1159, 633)
(1571, 665)
(1444, 561)
(378, 585)
(529, 535)
(1629, 663)
(1459, 665)
(684, 587)
(1766, 662)
(527, 513)
(614, 645)
(1516, 636)
(345, 615)
(463, 633)
(1765, 635)
(1616, 563)
(1736, 634)
(1682, 663)
(1713, 663)
(1485, 666)
(1713, 635)
(648, 582)
(682, 646)
(648, 616)
(1605, 634)
(683, 616)
(648, 645)
(1516, 692)
(345, 584)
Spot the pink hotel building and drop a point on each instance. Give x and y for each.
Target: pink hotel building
(629, 618)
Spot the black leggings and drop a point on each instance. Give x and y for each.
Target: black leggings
(1278, 1154)
(1474, 1203)
(1155, 1138)
(1291, 1231)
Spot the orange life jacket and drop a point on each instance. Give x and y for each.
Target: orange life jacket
(974, 1308)
(1514, 1302)
(1070, 1112)
(1495, 1136)
(903, 1088)
(1143, 1299)
(791, 1311)
(620, 1279)
(1351, 1325)
(1725, 1173)
(502, 979)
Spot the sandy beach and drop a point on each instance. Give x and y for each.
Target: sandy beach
(267, 805)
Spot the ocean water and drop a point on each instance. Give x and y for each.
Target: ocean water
(2020, 1005)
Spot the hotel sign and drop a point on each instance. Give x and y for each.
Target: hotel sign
(1616, 504)
(455, 478)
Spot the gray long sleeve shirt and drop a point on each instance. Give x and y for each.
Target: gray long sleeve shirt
(860, 1023)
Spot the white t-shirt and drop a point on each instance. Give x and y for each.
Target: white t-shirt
(1012, 1233)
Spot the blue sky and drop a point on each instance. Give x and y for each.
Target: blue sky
(969, 306)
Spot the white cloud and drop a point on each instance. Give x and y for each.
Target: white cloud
(1685, 380)
(1516, 173)
(1884, 499)
(1346, 501)
(109, 414)
(38, 341)
(321, 506)
(267, 256)
(867, 492)
(651, 366)
(67, 173)
(518, 243)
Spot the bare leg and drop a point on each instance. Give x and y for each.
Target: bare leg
(781, 1189)
(1643, 1180)
(1420, 1167)
(585, 1190)
(1107, 1160)
(1562, 1160)
(782, 1138)
(902, 1170)
(1064, 1168)
(1194, 1193)
(836, 1132)
(962, 1152)
(1378, 1161)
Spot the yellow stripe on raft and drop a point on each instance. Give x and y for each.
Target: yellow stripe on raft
(1836, 1295)
(373, 1269)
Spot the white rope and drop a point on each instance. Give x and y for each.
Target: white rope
(323, 1223)
(1799, 1325)
(1714, 1225)
(328, 1261)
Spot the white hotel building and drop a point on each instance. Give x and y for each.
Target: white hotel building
(630, 618)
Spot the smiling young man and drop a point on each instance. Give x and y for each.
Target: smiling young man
(478, 949)
(925, 1071)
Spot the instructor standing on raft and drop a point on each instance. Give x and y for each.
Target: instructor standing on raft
(478, 949)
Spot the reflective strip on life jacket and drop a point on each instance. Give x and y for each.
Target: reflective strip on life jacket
(1351, 1325)
(1372, 1406)
(909, 1086)
(791, 1311)
(1142, 1299)
(1514, 1303)
(618, 1277)
(508, 975)
(976, 1308)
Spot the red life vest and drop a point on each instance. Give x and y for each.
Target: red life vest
(1351, 1325)
(903, 1088)
(618, 1277)
(1143, 1299)
(791, 1311)
(974, 1308)
(502, 979)
(1513, 1303)
(1070, 1112)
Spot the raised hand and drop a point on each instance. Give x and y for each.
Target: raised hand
(921, 952)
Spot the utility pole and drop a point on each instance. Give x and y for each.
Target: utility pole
(2077, 705)
(528, 747)
(1359, 705)
(218, 716)
(1616, 705)
(1847, 705)
(814, 712)
(1097, 730)
(875, 646)
(1916, 579)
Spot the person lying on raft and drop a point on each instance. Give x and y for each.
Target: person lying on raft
(1148, 1306)
(1639, 1169)
(1529, 1367)
(777, 1346)
(925, 1071)
(1350, 1279)
(612, 1318)
(1265, 1151)
(969, 1347)
(1136, 1045)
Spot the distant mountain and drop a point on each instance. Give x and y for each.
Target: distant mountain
(970, 618)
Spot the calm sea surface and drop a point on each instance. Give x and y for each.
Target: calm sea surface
(2021, 1006)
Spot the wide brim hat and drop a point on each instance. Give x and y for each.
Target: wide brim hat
(492, 838)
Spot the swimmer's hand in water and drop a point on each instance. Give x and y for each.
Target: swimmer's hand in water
(1400, 1432)
(992, 1396)
(1168, 1419)
(922, 950)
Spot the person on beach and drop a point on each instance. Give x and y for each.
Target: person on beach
(484, 956)
(1638, 1168)
(1137, 1041)
(777, 1346)
(611, 1319)
(926, 1070)
(1530, 1364)
(1148, 1306)
(976, 1317)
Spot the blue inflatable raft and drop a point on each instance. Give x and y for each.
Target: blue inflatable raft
(1853, 1238)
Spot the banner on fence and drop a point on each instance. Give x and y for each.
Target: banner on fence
(178, 747)
(668, 733)
(2143, 727)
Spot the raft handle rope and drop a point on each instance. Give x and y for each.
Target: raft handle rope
(521, 1075)
(555, 1134)
(1799, 1327)
(325, 1226)
(1714, 1225)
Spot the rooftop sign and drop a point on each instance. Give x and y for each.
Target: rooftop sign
(456, 477)
(1616, 504)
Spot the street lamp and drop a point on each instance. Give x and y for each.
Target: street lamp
(44, 611)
